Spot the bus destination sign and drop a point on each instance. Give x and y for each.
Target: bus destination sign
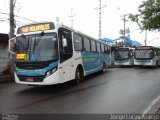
(36, 27)
(144, 48)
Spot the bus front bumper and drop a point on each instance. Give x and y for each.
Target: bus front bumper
(50, 80)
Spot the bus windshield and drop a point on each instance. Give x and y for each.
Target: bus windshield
(39, 47)
(143, 54)
(121, 54)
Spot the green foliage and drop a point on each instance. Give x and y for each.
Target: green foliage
(148, 17)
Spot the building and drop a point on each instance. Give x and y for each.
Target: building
(4, 54)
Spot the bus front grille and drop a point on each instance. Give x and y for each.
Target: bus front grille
(31, 79)
(32, 65)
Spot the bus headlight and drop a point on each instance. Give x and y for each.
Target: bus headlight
(48, 73)
(54, 70)
(51, 72)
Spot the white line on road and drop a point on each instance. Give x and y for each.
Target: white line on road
(153, 103)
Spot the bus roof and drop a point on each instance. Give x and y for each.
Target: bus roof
(41, 26)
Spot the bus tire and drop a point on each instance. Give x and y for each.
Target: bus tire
(156, 64)
(79, 75)
(104, 68)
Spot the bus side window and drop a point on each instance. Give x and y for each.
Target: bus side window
(86, 44)
(102, 48)
(106, 49)
(109, 49)
(77, 42)
(98, 47)
(93, 46)
(66, 49)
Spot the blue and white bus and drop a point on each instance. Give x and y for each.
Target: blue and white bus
(147, 56)
(123, 56)
(48, 53)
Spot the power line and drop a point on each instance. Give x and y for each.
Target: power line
(26, 19)
(19, 23)
(3, 20)
(19, 17)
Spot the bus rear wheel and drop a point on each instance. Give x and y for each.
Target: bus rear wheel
(79, 76)
(156, 64)
(104, 68)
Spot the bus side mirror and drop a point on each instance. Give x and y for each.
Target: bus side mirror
(64, 42)
(12, 45)
(155, 53)
(130, 54)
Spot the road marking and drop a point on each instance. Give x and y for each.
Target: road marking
(153, 103)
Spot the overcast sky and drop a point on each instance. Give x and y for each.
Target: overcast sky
(85, 19)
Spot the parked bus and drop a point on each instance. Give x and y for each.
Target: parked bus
(48, 53)
(123, 56)
(147, 56)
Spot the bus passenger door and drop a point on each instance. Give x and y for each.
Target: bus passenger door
(66, 53)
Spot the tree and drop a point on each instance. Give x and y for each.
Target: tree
(148, 17)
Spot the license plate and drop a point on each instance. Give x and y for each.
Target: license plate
(29, 79)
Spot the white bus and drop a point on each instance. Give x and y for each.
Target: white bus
(123, 56)
(48, 53)
(147, 56)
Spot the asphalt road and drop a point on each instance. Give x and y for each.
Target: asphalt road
(119, 90)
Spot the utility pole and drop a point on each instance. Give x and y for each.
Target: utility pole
(100, 13)
(100, 17)
(145, 40)
(124, 25)
(11, 35)
(72, 16)
(12, 22)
